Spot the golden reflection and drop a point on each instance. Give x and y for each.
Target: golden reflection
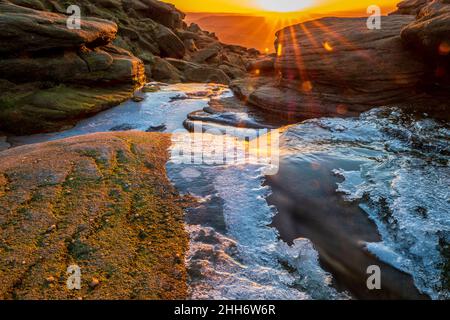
(327, 46)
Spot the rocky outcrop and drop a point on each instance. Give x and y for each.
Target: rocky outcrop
(336, 66)
(151, 29)
(429, 34)
(23, 29)
(56, 75)
(428, 37)
(194, 72)
(161, 12)
(51, 76)
(410, 7)
(101, 202)
(4, 143)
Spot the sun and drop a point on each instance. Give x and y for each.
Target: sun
(285, 5)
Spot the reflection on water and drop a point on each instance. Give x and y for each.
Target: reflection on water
(368, 190)
(399, 178)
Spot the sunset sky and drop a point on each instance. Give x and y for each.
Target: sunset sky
(257, 6)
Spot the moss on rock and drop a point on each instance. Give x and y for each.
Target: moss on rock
(93, 201)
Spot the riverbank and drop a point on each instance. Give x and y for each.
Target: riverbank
(102, 202)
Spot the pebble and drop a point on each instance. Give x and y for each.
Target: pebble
(94, 283)
(137, 98)
(4, 144)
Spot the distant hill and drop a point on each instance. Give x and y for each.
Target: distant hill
(258, 31)
(249, 31)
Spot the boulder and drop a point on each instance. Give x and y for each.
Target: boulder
(265, 65)
(232, 71)
(205, 74)
(410, 7)
(289, 102)
(190, 45)
(366, 65)
(24, 29)
(194, 72)
(429, 34)
(60, 75)
(164, 71)
(161, 12)
(205, 54)
(4, 144)
(169, 43)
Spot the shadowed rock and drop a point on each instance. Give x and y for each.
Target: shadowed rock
(410, 7)
(338, 67)
(51, 76)
(430, 34)
(23, 29)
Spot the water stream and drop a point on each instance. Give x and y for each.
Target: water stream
(343, 194)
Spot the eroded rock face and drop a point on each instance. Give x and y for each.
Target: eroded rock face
(336, 66)
(430, 33)
(151, 29)
(343, 52)
(410, 7)
(51, 76)
(161, 12)
(24, 29)
(102, 202)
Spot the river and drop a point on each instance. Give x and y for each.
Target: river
(305, 217)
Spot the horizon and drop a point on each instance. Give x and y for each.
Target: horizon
(262, 7)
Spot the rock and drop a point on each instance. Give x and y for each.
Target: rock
(151, 87)
(432, 8)
(125, 68)
(24, 29)
(96, 60)
(94, 283)
(164, 71)
(169, 43)
(190, 45)
(410, 7)
(361, 69)
(243, 88)
(123, 127)
(90, 170)
(60, 67)
(206, 74)
(159, 128)
(232, 72)
(64, 74)
(429, 34)
(289, 103)
(3, 143)
(262, 66)
(137, 98)
(193, 27)
(194, 72)
(207, 53)
(33, 107)
(161, 12)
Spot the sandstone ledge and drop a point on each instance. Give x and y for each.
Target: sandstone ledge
(102, 202)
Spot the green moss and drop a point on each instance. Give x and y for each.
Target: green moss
(40, 109)
(79, 250)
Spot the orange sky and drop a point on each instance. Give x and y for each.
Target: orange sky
(257, 6)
